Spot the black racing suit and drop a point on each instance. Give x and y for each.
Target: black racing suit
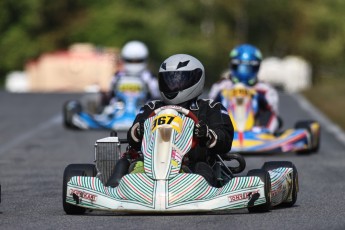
(212, 113)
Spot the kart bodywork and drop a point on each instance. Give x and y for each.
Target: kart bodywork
(163, 187)
(242, 105)
(130, 95)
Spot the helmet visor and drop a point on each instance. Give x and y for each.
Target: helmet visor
(138, 60)
(175, 81)
(245, 67)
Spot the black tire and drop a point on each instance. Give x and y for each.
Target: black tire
(314, 139)
(285, 164)
(70, 108)
(265, 177)
(70, 171)
(236, 157)
(280, 123)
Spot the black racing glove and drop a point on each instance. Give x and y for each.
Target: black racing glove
(205, 135)
(137, 131)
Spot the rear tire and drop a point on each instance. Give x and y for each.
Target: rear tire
(285, 164)
(71, 171)
(265, 177)
(315, 138)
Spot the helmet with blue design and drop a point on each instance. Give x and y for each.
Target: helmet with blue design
(245, 62)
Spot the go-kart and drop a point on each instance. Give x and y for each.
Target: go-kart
(130, 95)
(163, 186)
(242, 105)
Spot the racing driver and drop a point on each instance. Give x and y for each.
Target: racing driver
(181, 80)
(245, 60)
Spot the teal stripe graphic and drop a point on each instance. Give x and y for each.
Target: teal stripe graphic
(190, 188)
(132, 187)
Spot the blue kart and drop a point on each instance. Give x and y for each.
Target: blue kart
(130, 95)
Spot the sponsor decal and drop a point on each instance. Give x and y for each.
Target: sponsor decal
(174, 163)
(131, 87)
(174, 154)
(224, 112)
(176, 107)
(242, 196)
(83, 195)
(175, 158)
(240, 92)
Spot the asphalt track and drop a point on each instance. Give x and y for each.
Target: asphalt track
(35, 148)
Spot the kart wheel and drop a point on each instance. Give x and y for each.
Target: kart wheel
(285, 164)
(315, 136)
(70, 171)
(69, 109)
(265, 177)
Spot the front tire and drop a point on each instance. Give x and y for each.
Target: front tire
(265, 177)
(71, 171)
(295, 187)
(69, 109)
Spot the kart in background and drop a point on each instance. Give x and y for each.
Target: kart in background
(162, 186)
(130, 95)
(242, 105)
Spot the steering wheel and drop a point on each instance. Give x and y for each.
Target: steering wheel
(184, 111)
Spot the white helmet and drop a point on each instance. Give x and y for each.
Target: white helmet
(181, 78)
(134, 55)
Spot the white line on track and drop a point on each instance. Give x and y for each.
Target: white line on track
(25, 136)
(316, 114)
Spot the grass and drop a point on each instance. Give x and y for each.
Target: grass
(329, 96)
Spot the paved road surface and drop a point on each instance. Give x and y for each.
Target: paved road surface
(35, 148)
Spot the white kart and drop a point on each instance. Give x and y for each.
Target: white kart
(163, 187)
